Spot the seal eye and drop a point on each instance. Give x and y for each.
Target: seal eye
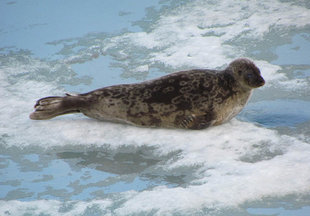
(250, 76)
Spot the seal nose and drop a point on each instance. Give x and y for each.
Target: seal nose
(261, 81)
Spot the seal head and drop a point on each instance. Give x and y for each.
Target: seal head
(246, 72)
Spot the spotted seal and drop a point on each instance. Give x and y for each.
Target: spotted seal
(193, 99)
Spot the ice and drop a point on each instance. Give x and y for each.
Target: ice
(234, 158)
(54, 207)
(200, 35)
(232, 164)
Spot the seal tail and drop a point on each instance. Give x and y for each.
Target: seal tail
(50, 107)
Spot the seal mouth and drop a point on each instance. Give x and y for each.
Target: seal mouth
(261, 82)
(257, 83)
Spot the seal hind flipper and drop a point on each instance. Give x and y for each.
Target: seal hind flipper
(50, 107)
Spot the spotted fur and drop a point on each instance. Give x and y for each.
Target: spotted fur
(193, 99)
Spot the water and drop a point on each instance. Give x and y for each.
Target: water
(257, 164)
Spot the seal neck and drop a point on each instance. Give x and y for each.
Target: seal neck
(235, 83)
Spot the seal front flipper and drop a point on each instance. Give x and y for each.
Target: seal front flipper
(50, 107)
(195, 122)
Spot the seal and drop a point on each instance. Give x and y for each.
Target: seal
(193, 99)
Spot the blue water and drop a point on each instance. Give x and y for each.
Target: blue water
(257, 164)
(32, 24)
(278, 113)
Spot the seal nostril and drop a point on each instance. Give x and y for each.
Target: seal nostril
(262, 81)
